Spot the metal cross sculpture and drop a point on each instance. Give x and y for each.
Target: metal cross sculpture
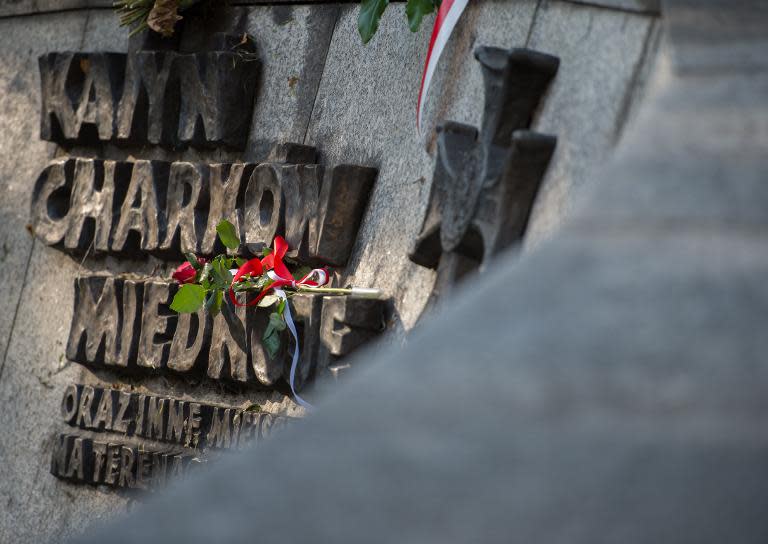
(485, 182)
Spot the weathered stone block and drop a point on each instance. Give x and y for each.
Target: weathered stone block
(347, 324)
(229, 354)
(151, 97)
(169, 208)
(79, 95)
(158, 325)
(96, 322)
(344, 198)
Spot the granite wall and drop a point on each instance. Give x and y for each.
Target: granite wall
(320, 87)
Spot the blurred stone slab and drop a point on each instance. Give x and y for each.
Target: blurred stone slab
(725, 131)
(601, 53)
(703, 46)
(642, 419)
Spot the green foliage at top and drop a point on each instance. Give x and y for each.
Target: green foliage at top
(372, 10)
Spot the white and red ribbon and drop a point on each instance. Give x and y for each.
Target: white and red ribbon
(281, 277)
(447, 16)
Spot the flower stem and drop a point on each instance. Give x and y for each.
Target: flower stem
(357, 292)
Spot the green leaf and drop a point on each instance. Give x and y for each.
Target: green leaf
(266, 251)
(239, 261)
(263, 282)
(222, 277)
(276, 322)
(188, 299)
(214, 301)
(416, 10)
(281, 307)
(368, 20)
(191, 259)
(228, 235)
(271, 343)
(272, 339)
(205, 276)
(301, 272)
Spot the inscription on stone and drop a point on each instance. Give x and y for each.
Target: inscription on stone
(167, 208)
(137, 208)
(116, 464)
(151, 97)
(183, 423)
(190, 429)
(127, 325)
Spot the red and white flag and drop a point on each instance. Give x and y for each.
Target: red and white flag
(447, 17)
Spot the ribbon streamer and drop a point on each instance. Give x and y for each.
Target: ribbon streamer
(447, 17)
(281, 277)
(279, 293)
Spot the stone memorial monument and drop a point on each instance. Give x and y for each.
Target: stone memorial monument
(567, 251)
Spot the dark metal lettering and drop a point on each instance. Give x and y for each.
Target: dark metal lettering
(151, 97)
(158, 324)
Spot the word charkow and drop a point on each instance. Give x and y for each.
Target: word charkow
(168, 208)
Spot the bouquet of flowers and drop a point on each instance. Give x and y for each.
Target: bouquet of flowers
(204, 284)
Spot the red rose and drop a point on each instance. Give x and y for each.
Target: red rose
(186, 272)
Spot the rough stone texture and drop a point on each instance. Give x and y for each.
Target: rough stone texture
(22, 7)
(609, 386)
(457, 92)
(22, 156)
(35, 505)
(378, 83)
(363, 113)
(601, 52)
(293, 43)
(35, 372)
(19, 7)
(21, 152)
